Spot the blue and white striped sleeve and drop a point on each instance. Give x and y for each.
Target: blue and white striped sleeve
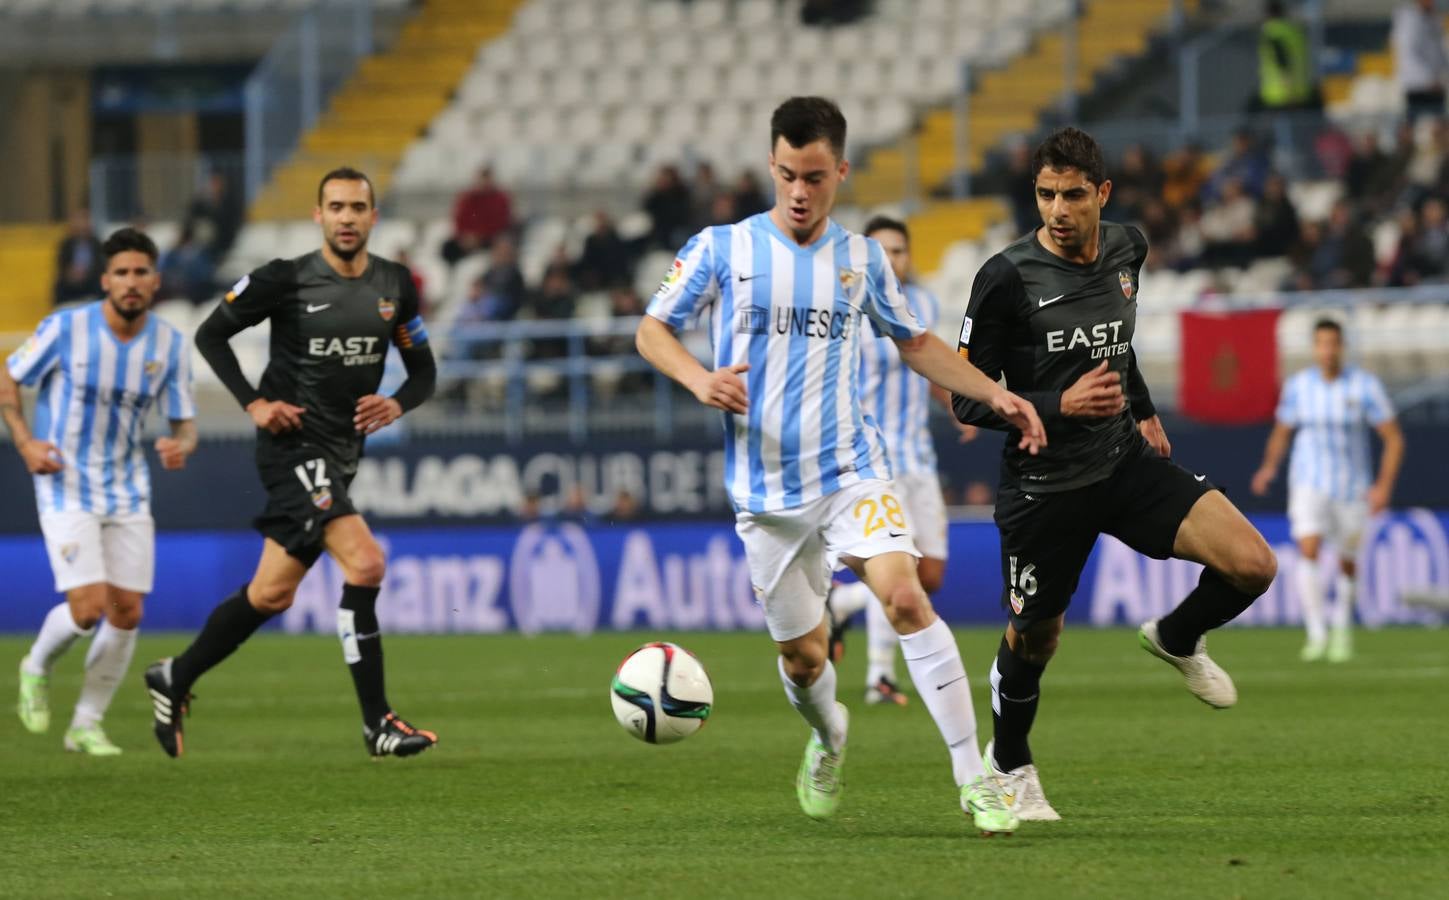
(689, 286)
(1377, 405)
(1287, 413)
(179, 401)
(38, 355)
(885, 301)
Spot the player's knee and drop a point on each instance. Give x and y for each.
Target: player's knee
(367, 568)
(1040, 642)
(803, 663)
(271, 598)
(908, 609)
(1348, 567)
(1254, 568)
(125, 616)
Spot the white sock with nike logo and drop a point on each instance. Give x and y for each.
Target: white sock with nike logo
(935, 665)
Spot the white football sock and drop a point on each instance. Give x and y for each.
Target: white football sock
(881, 641)
(57, 633)
(106, 664)
(1346, 587)
(940, 678)
(1310, 597)
(816, 704)
(848, 599)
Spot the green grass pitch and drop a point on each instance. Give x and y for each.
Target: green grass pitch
(1324, 781)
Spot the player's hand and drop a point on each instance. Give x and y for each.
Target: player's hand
(1156, 436)
(376, 411)
(1096, 395)
(41, 457)
(1261, 481)
(725, 389)
(1378, 499)
(276, 416)
(173, 456)
(1021, 414)
(965, 434)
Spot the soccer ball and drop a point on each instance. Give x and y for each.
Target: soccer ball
(661, 694)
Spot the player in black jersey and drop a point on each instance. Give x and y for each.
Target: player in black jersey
(1054, 312)
(334, 313)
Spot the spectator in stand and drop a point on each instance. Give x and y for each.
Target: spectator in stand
(705, 190)
(481, 215)
(1275, 221)
(1285, 64)
(78, 260)
(1429, 156)
(1344, 257)
(187, 270)
(626, 507)
(1246, 163)
(1227, 228)
(215, 218)
(722, 211)
(1161, 231)
(1137, 181)
(404, 258)
(1016, 183)
(606, 260)
(1370, 173)
(1401, 271)
(1428, 250)
(1332, 149)
(749, 196)
(670, 206)
(1189, 244)
(498, 293)
(1420, 64)
(554, 300)
(1183, 175)
(832, 12)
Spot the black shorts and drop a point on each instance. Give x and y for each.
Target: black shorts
(306, 489)
(1046, 538)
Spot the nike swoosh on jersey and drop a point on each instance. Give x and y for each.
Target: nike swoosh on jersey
(312, 309)
(896, 534)
(744, 278)
(1040, 302)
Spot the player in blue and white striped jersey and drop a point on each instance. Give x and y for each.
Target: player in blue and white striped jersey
(99, 369)
(786, 294)
(1331, 486)
(899, 401)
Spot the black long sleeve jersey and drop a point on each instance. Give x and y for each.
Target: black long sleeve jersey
(1044, 322)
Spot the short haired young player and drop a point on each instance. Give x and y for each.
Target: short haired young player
(899, 402)
(1327, 411)
(787, 293)
(99, 368)
(334, 312)
(1055, 312)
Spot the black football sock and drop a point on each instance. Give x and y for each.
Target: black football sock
(1212, 603)
(1015, 690)
(362, 649)
(232, 622)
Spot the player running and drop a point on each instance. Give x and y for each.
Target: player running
(333, 314)
(1055, 312)
(1331, 491)
(898, 401)
(99, 367)
(786, 294)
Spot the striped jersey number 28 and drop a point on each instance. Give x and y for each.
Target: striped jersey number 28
(876, 514)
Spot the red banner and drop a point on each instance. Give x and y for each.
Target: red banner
(1229, 366)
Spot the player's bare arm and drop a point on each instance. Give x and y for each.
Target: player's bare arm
(965, 433)
(41, 457)
(1382, 489)
(929, 356)
(721, 388)
(1273, 454)
(181, 443)
(1096, 395)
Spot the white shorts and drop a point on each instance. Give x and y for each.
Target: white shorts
(925, 511)
(1339, 522)
(90, 548)
(792, 553)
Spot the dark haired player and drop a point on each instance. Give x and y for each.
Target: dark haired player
(1055, 313)
(99, 367)
(333, 314)
(787, 294)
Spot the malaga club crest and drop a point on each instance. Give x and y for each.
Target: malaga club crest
(153, 368)
(69, 552)
(1124, 278)
(387, 309)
